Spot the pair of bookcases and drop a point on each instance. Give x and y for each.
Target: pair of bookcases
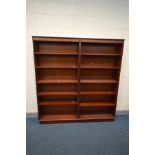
(77, 79)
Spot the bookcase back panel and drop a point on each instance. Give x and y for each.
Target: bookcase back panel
(50, 74)
(54, 60)
(57, 98)
(98, 74)
(96, 110)
(59, 47)
(99, 61)
(57, 87)
(97, 98)
(100, 48)
(97, 87)
(58, 110)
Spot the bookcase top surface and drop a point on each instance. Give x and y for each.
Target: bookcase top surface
(84, 40)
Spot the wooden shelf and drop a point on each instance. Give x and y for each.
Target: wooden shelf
(98, 67)
(53, 118)
(57, 81)
(57, 103)
(75, 93)
(101, 41)
(82, 67)
(73, 118)
(98, 81)
(62, 53)
(100, 54)
(97, 104)
(55, 39)
(98, 93)
(56, 93)
(56, 66)
(96, 116)
(54, 53)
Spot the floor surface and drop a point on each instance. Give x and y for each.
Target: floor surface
(101, 138)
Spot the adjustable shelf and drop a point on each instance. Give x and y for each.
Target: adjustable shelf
(57, 118)
(57, 81)
(55, 66)
(98, 67)
(56, 93)
(57, 103)
(98, 81)
(98, 93)
(82, 67)
(97, 104)
(96, 117)
(100, 54)
(54, 53)
(77, 79)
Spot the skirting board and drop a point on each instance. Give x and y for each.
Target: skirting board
(119, 112)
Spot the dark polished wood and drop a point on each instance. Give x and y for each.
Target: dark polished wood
(77, 79)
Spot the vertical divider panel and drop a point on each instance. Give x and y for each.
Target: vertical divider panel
(118, 76)
(35, 49)
(78, 86)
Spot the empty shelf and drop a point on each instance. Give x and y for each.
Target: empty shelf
(98, 67)
(97, 104)
(98, 81)
(57, 103)
(98, 93)
(57, 66)
(55, 53)
(56, 93)
(71, 118)
(53, 118)
(57, 81)
(101, 54)
(96, 116)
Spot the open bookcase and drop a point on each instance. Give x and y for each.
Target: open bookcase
(77, 79)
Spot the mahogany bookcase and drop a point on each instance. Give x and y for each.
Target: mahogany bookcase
(77, 79)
